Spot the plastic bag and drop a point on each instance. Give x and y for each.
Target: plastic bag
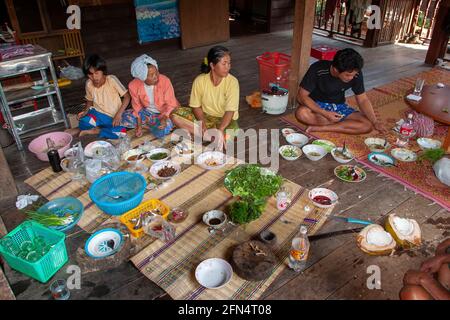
(159, 228)
(442, 170)
(72, 73)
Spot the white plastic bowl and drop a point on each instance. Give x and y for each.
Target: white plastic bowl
(309, 148)
(296, 149)
(213, 273)
(297, 139)
(158, 150)
(370, 142)
(323, 192)
(287, 131)
(427, 143)
(131, 153)
(339, 159)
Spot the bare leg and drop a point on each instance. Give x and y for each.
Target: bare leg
(356, 123)
(90, 131)
(413, 292)
(312, 119)
(443, 276)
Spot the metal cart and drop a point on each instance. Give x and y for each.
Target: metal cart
(24, 122)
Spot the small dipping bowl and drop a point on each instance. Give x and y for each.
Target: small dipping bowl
(312, 148)
(268, 237)
(215, 219)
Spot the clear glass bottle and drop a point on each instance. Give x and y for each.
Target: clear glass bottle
(299, 250)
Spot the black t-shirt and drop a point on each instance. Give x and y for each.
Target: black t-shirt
(324, 87)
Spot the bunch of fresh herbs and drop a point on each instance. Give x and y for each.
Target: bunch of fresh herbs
(252, 185)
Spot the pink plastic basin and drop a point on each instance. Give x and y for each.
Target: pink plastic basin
(39, 147)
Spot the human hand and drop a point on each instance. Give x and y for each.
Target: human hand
(81, 115)
(333, 116)
(413, 277)
(163, 122)
(432, 265)
(379, 127)
(138, 131)
(117, 119)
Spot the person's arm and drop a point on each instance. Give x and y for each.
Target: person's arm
(305, 100)
(200, 116)
(366, 108)
(433, 264)
(226, 120)
(89, 105)
(125, 102)
(442, 247)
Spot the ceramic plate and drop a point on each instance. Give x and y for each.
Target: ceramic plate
(154, 169)
(381, 159)
(326, 144)
(103, 243)
(156, 151)
(89, 149)
(213, 273)
(427, 143)
(323, 192)
(343, 173)
(404, 154)
(211, 160)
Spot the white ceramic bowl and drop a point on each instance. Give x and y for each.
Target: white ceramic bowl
(185, 150)
(374, 143)
(339, 159)
(215, 214)
(154, 169)
(312, 148)
(89, 149)
(323, 192)
(296, 149)
(427, 143)
(158, 150)
(213, 273)
(216, 156)
(287, 131)
(297, 139)
(97, 245)
(326, 144)
(133, 153)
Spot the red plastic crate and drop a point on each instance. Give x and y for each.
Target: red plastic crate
(323, 52)
(274, 67)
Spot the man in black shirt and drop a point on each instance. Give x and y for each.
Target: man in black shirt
(322, 96)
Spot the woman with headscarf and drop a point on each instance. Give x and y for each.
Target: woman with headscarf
(152, 98)
(214, 97)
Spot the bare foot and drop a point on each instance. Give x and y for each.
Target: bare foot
(310, 129)
(90, 131)
(73, 131)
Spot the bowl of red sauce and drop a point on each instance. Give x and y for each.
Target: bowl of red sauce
(322, 197)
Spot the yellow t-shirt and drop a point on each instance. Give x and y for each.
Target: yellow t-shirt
(215, 101)
(106, 99)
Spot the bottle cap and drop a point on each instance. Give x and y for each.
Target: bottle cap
(303, 230)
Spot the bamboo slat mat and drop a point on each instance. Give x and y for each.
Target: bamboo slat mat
(172, 265)
(55, 185)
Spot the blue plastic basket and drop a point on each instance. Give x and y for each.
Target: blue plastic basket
(62, 206)
(129, 186)
(44, 268)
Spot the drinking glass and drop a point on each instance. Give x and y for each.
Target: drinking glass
(419, 86)
(8, 244)
(59, 290)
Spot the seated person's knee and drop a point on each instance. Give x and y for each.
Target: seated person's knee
(302, 114)
(412, 292)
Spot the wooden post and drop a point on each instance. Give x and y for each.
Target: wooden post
(8, 189)
(301, 45)
(439, 39)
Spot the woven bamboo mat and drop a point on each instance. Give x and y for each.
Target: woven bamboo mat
(55, 185)
(172, 265)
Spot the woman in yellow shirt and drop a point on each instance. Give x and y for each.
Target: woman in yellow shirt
(214, 99)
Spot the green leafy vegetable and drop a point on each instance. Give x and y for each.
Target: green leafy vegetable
(289, 152)
(432, 155)
(253, 185)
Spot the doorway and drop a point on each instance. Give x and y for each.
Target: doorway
(248, 17)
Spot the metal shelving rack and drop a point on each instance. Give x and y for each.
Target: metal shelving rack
(39, 61)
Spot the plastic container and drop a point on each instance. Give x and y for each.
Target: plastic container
(127, 186)
(44, 268)
(39, 146)
(274, 67)
(323, 52)
(136, 212)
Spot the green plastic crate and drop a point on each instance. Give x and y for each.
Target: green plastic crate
(43, 269)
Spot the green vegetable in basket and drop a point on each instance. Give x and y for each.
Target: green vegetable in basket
(50, 219)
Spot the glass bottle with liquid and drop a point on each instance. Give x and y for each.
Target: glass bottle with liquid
(299, 250)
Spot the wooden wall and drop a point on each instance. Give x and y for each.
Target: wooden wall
(281, 15)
